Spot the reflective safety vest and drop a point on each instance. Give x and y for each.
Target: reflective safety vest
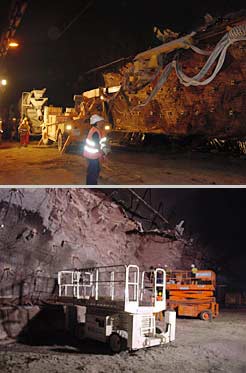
(93, 150)
(194, 270)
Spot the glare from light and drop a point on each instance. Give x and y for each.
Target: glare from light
(4, 82)
(101, 97)
(13, 44)
(68, 127)
(107, 128)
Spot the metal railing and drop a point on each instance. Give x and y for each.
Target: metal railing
(123, 284)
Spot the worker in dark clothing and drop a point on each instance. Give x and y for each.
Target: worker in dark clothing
(95, 148)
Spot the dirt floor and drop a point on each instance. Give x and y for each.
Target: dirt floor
(217, 346)
(42, 165)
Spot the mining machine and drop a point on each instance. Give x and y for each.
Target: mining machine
(190, 86)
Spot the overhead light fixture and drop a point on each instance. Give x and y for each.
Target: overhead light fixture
(4, 82)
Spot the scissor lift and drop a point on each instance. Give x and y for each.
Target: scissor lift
(121, 303)
(192, 294)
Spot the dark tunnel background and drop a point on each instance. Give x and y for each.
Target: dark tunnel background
(214, 217)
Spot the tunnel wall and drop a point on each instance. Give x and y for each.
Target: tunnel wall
(47, 230)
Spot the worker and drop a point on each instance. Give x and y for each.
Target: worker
(95, 148)
(193, 269)
(193, 272)
(24, 131)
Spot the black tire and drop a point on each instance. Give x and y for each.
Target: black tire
(206, 315)
(116, 343)
(60, 141)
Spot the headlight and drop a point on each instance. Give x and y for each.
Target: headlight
(107, 128)
(68, 127)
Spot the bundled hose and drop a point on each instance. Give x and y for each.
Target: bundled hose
(163, 78)
(198, 50)
(236, 34)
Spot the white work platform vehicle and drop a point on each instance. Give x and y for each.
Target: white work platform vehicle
(121, 303)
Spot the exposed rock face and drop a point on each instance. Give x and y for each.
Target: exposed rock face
(47, 230)
(55, 229)
(155, 250)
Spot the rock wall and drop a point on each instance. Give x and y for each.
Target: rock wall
(47, 230)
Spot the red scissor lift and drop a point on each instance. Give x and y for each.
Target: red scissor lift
(192, 294)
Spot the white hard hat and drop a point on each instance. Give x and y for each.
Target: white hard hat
(95, 118)
(192, 265)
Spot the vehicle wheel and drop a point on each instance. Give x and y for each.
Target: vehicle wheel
(116, 343)
(206, 315)
(60, 141)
